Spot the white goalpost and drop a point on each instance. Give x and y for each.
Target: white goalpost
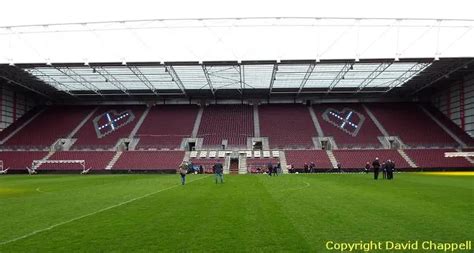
(37, 163)
(2, 170)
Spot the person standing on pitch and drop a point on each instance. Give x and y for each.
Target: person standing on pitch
(384, 169)
(270, 168)
(376, 165)
(183, 169)
(219, 172)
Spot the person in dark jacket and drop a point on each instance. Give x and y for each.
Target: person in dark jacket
(384, 169)
(305, 168)
(270, 169)
(376, 165)
(218, 172)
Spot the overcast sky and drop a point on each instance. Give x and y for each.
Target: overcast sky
(18, 12)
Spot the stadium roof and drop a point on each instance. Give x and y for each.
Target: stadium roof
(286, 78)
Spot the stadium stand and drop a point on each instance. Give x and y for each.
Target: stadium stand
(356, 159)
(88, 136)
(43, 131)
(434, 158)
(365, 135)
(19, 160)
(96, 160)
(410, 123)
(297, 158)
(166, 125)
(231, 122)
(149, 160)
(19, 122)
(287, 125)
(455, 129)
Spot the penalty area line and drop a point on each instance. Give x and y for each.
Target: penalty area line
(91, 214)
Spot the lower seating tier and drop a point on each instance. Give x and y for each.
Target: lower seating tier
(149, 160)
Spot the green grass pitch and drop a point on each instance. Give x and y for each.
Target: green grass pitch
(295, 213)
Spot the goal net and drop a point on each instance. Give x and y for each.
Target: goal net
(59, 165)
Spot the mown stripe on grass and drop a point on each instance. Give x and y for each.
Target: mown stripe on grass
(93, 213)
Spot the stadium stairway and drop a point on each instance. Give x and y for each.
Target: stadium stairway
(197, 123)
(375, 120)
(139, 123)
(283, 162)
(407, 158)
(22, 126)
(82, 123)
(332, 158)
(114, 160)
(451, 134)
(319, 130)
(256, 122)
(243, 165)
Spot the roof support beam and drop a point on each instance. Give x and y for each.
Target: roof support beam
(71, 74)
(175, 78)
(111, 78)
(339, 76)
(309, 71)
(415, 69)
(372, 76)
(66, 89)
(272, 81)
(136, 71)
(242, 78)
(208, 78)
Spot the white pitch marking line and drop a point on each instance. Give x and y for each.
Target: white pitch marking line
(90, 214)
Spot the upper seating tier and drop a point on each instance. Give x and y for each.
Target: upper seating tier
(107, 126)
(287, 125)
(348, 124)
(231, 122)
(165, 126)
